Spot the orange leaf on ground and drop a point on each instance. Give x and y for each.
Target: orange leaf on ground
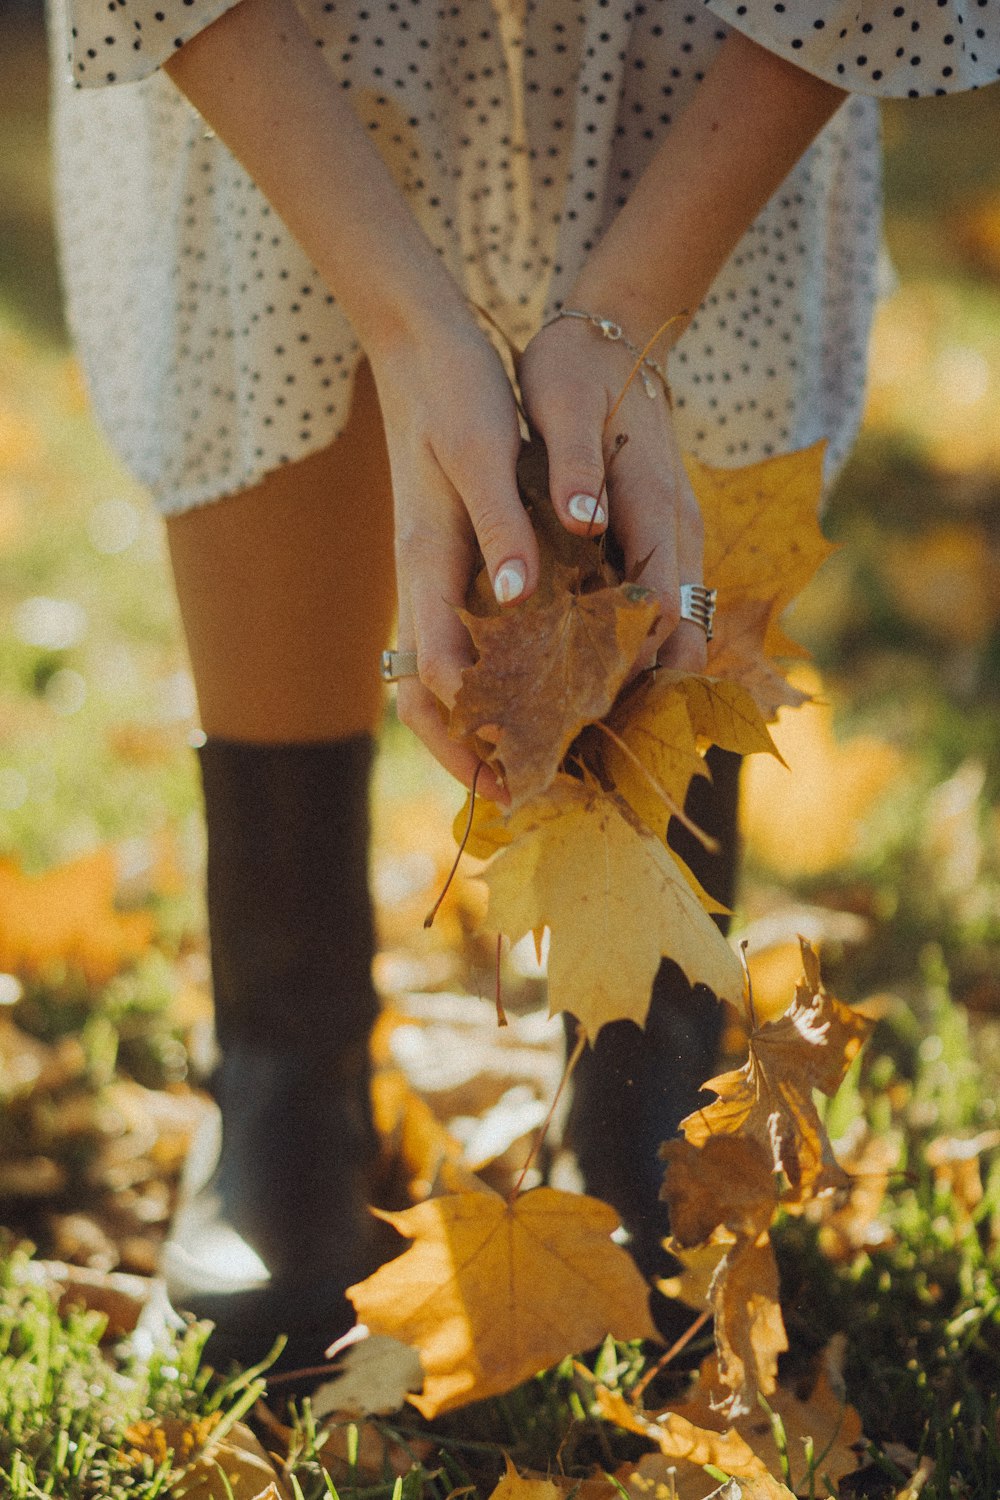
(545, 670)
(67, 916)
(491, 1292)
(657, 1477)
(513, 1486)
(823, 1415)
(770, 1099)
(688, 1443)
(615, 900)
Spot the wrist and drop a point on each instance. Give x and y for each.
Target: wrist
(642, 316)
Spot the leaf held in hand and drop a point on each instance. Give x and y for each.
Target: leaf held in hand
(546, 669)
(615, 901)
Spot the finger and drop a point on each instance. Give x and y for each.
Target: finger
(433, 568)
(686, 648)
(489, 493)
(571, 421)
(419, 710)
(644, 522)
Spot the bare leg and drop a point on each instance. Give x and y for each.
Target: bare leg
(286, 594)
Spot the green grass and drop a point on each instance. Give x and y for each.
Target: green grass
(70, 1416)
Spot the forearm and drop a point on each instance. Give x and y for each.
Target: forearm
(258, 79)
(749, 122)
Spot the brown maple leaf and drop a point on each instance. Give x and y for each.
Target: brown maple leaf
(685, 1442)
(545, 670)
(615, 899)
(823, 1415)
(492, 1291)
(738, 653)
(726, 1191)
(770, 1099)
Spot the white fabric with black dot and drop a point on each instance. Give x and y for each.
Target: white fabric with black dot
(212, 349)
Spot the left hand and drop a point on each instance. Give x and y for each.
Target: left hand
(570, 377)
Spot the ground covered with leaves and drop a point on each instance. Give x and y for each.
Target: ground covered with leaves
(878, 841)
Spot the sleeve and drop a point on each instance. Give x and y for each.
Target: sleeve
(120, 41)
(903, 50)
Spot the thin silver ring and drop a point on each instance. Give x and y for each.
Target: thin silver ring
(698, 606)
(398, 664)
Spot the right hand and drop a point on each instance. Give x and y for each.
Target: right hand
(453, 438)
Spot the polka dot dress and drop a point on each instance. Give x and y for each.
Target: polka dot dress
(215, 353)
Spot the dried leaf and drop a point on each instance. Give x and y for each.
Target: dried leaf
(770, 1098)
(834, 1427)
(727, 1190)
(545, 670)
(724, 713)
(376, 1374)
(684, 1441)
(738, 652)
(657, 1477)
(615, 900)
(235, 1467)
(491, 1292)
(67, 916)
(654, 722)
(762, 537)
(513, 1486)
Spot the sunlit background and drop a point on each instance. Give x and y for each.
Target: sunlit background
(882, 844)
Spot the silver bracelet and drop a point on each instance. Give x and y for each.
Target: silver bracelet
(615, 332)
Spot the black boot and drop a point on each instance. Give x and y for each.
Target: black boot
(274, 1224)
(633, 1086)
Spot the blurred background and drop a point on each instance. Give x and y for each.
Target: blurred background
(883, 847)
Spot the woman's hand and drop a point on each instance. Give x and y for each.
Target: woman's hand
(452, 431)
(571, 378)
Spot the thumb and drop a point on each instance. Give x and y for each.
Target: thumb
(572, 428)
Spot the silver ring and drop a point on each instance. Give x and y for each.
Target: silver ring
(698, 606)
(398, 664)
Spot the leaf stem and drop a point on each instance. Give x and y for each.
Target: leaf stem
(672, 1353)
(501, 1013)
(674, 808)
(429, 919)
(574, 1058)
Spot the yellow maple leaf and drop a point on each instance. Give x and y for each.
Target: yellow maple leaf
(658, 752)
(725, 714)
(67, 917)
(770, 1099)
(762, 536)
(492, 1291)
(615, 900)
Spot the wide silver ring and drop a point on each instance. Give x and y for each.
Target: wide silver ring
(698, 606)
(398, 664)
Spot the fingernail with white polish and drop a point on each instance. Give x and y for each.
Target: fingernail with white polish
(509, 582)
(586, 508)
